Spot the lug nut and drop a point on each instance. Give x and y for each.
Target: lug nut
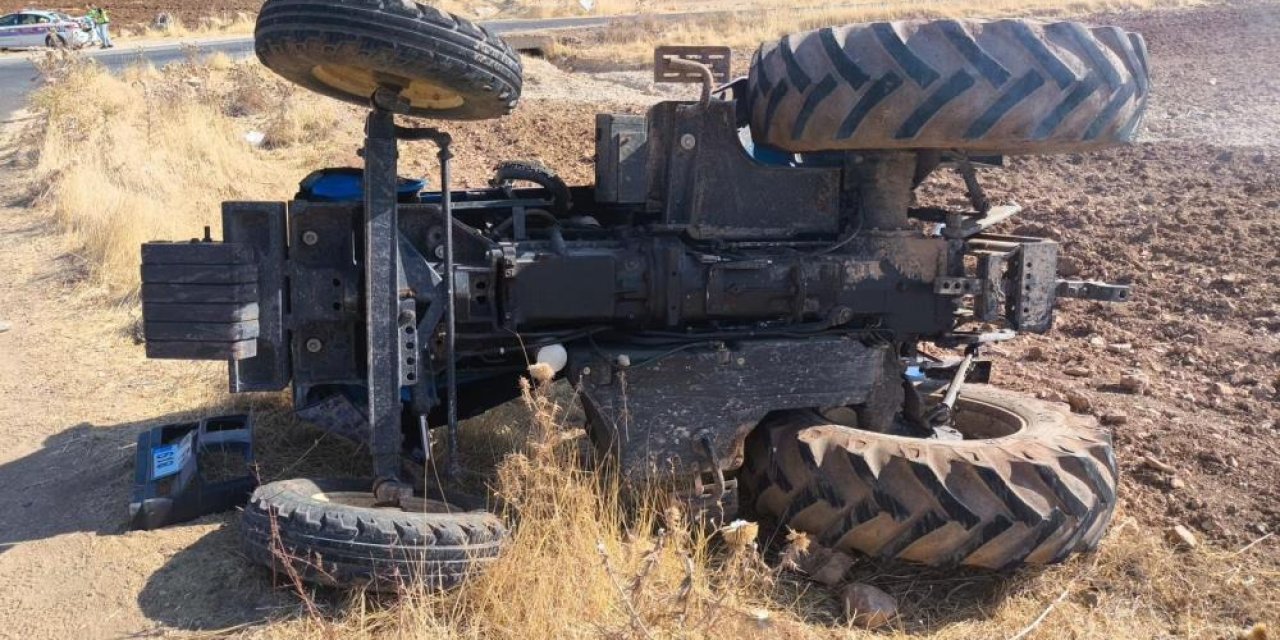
(310, 238)
(314, 345)
(688, 142)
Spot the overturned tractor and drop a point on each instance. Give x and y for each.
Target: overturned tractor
(741, 297)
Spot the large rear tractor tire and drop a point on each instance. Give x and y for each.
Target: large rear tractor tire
(445, 67)
(1030, 484)
(1004, 86)
(332, 532)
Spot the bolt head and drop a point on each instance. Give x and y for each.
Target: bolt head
(314, 345)
(688, 142)
(310, 238)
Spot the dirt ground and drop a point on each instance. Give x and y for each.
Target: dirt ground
(1188, 216)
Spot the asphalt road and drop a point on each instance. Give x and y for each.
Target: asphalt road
(18, 76)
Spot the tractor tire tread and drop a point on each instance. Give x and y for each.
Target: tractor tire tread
(285, 527)
(1033, 497)
(399, 38)
(1003, 86)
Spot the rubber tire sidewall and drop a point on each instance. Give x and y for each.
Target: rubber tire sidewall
(284, 527)
(803, 476)
(398, 37)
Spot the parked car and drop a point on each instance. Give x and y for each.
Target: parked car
(42, 29)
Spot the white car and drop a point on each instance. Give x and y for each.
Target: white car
(42, 29)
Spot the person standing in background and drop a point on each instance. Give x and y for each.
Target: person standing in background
(102, 22)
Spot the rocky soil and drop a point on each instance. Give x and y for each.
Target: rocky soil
(1188, 372)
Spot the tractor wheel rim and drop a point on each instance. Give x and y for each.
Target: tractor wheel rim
(361, 81)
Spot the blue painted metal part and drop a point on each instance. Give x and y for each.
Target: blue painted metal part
(169, 485)
(347, 185)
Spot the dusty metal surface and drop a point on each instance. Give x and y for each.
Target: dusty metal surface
(653, 413)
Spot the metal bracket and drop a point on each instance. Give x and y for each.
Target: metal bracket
(1029, 306)
(409, 347)
(714, 58)
(714, 502)
(1093, 290)
(957, 286)
(979, 370)
(964, 226)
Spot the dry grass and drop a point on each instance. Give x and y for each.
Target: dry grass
(213, 25)
(154, 153)
(588, 558)
(751, 23)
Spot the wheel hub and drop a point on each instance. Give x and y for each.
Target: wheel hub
(361, 81)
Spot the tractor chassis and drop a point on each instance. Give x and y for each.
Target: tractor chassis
(348, 294)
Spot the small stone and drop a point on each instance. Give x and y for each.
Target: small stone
(868, 606)
(1113, 419)
(1068, 267)
(1052, 395)
(1157, 464)
(1080, 403)
(1135, 382)
(1182, 537)
(826, 566)
(1035, 354)
(1221, 389)
(4, 326)
(1078, 372)
(1177, 483)
(1097, 341)
(1120, 347)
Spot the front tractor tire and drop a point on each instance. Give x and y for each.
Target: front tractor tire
(333, 532)
(1030, 484)
(444, 67)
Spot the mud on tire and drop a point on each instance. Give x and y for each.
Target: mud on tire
(1006, 86)
(1030, 484)
(448, 67)
(328, 532)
